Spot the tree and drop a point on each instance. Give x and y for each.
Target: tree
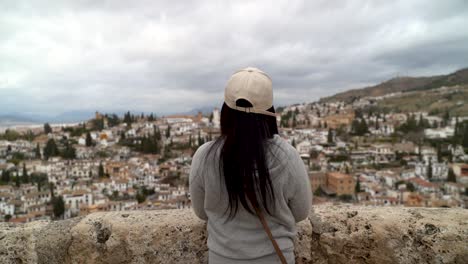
(149, 145)
(140, 197)
(51, 149)
(89, 140)
(211, 118)
(151, 117)
(47, 128)
(127, 118)
(439, 153)
(446, 117)
(465, 135)
(98, 123)
(330, 136)
(51, 189)
(112, 120)
(319, 192)
(58, 206)
(359, 127)
(7, 217)
(29, 136)
(157, 134)
(210, 136)
(410, 187)
(451, 176)
(411, 125)
(345, 197)
(5, 176)
(429, 170)
(17, 179)
(357, 188)
(421, 122)
(37, 152)
(25, 174)
(101, 170)
(39, 178)
(168, 131)
(69, 152)
(363, 127)
(200, 139)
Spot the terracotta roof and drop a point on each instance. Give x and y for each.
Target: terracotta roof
(339, 175)
(422, 182)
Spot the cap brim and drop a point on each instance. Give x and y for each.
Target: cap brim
(251, 110)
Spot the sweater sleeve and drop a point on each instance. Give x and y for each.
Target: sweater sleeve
(300, 193)
(196, 186)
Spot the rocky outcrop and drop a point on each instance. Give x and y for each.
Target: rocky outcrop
(332, 234)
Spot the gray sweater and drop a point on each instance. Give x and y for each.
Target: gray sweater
(243, 238)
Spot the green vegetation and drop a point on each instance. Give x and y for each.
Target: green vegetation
(434, 102)
(451, 176)
(51, 149)
(69, 152)
(461, 134)
(112, 120)
(76, 131)
(330, 136)
(89, 140)
(143, 193)
(47, 128)
(97, 124)
(413, 125)
(10, 135)
(16, 158)
(128, 118)
(319, 192)
(357, 188)
(101, 172)
(58, 206)
(359, 127)
(345, 198)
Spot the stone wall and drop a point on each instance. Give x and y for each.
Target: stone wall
(331, 234)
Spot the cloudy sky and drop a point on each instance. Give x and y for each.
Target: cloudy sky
(174, 56)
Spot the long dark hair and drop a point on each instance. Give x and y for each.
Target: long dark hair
(243, 165)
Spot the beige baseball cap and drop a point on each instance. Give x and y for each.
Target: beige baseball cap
(252, 85)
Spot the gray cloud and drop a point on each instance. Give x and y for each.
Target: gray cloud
(172, 56)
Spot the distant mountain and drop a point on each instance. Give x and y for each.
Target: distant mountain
(459, 77)
(66, 117)
(402, 84)
(72, 116)
(16, 118)
(206, 110)
(13, 119)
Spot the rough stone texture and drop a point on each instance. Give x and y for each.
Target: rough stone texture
(347, 234)
(332, 234)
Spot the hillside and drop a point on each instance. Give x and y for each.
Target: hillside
(435, 101)
(402, 84)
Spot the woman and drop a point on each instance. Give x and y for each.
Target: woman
(247, 175)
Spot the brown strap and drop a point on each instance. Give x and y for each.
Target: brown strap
(268, 231)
